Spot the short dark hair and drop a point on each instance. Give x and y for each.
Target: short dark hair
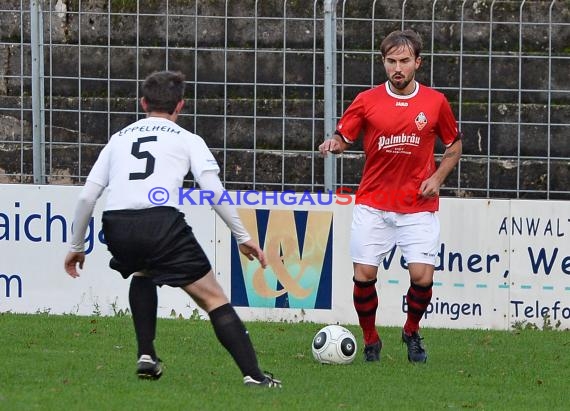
(402, 38)
(163, 90)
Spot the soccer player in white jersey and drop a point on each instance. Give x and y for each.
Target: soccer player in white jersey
(398, 195)
(154, 244)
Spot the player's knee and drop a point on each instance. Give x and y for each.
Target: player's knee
(364, 272)
(421, 274)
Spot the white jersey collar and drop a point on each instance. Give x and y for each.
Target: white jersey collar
(400, 96)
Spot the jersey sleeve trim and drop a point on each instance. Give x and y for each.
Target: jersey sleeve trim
(346, 140)
(458, 137)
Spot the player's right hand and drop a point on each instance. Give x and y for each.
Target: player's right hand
(330, 146)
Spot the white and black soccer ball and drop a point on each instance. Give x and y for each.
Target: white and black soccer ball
(334, 344)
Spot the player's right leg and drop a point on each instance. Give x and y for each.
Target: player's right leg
(229, 329)
(365, 299)
(372, 237)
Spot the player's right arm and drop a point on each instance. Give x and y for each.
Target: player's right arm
(348, 128)
(335, 145)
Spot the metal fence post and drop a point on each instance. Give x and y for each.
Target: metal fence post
(330, 88)
(38, 109)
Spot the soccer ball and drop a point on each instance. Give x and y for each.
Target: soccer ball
(334, 344)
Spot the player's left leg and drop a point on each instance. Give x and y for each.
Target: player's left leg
(418, 299)
(418, 238)
(419, 295)
(229, 329)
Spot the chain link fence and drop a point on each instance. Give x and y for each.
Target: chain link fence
(267, 80)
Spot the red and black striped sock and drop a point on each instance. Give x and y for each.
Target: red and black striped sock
(418, 299)
(365, 300)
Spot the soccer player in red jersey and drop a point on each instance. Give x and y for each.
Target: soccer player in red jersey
(398, 195)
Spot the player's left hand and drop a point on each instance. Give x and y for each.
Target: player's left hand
(429, 188)
(72, 259)
(250, 249)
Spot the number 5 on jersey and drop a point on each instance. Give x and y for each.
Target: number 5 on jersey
(143, 155)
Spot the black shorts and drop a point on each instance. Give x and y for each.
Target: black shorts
(156, 241)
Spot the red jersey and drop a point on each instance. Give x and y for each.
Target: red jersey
(399, 138)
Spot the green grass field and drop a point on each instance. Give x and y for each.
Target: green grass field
(87, 363)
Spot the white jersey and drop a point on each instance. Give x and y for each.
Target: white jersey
(151, 154)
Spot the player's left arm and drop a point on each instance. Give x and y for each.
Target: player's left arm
(83, 211)
(451, 136)
(209, 180)
(451, 156)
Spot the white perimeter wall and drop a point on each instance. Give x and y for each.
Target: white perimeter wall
(501, 262)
